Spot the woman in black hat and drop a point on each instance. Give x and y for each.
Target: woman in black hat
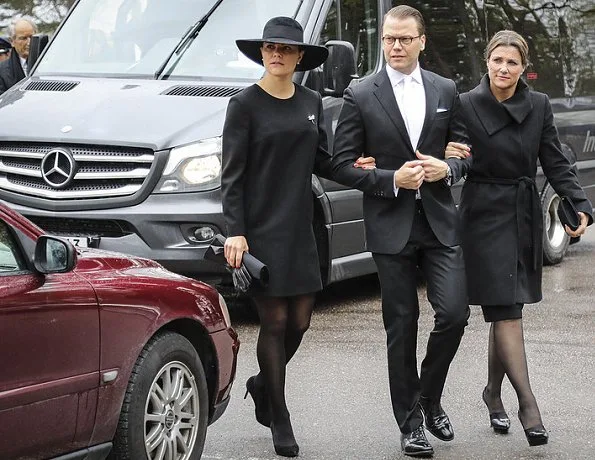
(273, 140)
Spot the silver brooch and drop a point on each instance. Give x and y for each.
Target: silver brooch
(312, 118)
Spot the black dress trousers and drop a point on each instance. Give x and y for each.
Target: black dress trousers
(444, 272)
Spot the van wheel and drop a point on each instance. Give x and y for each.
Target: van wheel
(555, 239)
(165, 409)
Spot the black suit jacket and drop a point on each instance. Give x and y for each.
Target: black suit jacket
(11, 72)
(371, 124)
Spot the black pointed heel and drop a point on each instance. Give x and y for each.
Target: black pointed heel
(261, 403)
(499, 420)
(537, 435)
(284, 440)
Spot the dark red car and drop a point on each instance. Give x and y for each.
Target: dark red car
(101, 353)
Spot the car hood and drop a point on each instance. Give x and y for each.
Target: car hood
(110, 111)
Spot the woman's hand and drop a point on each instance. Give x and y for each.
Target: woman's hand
(234, 249)
(365, 163)
(582, 227)
(457, 150)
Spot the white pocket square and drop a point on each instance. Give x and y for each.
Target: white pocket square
(440, 110)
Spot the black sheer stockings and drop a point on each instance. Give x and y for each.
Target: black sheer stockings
(506, 356)
(283, 322)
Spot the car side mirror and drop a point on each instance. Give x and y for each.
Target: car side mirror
(54, 255)
(36, 47)
(339, 68)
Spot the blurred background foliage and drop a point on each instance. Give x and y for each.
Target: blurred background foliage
(47, 14)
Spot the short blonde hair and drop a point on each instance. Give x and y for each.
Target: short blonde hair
(509, 38)
(404, 12)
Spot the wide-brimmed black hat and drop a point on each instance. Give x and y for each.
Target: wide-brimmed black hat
(287, 31)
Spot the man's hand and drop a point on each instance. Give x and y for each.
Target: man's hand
(365, 163)
(234, 249)
(457, 150)
(434, 169)
(582, 227)
(410, 175)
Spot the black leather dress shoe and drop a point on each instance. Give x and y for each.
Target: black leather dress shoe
(436, 420)
(415, 444)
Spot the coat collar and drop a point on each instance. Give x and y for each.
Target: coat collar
(17, 68)
(386, 97)
(495, 115)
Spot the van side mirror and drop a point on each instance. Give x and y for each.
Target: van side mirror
(54, 255)
(36, 47)
(339, 69)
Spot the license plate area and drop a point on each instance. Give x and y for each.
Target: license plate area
(84, 241)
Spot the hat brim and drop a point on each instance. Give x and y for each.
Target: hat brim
(314, 55)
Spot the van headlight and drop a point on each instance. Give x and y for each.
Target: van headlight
(192, 168)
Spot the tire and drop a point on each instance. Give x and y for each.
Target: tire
(168, 371)
(555, 239)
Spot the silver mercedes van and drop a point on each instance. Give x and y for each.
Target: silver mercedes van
(114, 139)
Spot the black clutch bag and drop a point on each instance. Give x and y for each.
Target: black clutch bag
(568, 214)
(251, 271)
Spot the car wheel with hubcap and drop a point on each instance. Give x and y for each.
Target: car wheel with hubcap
(165, 410)
(555, 238)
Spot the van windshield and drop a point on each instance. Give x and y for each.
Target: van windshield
(132, 38)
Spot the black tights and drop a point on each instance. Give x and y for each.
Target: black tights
(506, 356)
(283, 322)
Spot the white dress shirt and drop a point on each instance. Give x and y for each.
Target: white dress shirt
(411, 99)
(24, 65)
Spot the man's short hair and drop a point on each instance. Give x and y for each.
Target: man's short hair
(13, 25)
(405, 11)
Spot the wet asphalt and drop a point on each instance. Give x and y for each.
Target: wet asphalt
(337, 385)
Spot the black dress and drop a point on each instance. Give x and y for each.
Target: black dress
(271, 147)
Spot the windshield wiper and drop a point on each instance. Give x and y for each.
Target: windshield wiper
(186, 40)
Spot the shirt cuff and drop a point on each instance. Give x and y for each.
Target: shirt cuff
(448, 178)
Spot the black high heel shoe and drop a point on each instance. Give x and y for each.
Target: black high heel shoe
(284, 440)
(536, 435)
(499, 420)
(261, 403)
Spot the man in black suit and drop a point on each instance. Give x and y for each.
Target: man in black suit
(410, 217)
(14, 69)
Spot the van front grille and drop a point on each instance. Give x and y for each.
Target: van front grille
(82, 227)
(86, 171)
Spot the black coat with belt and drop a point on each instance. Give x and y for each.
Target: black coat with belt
(11, 72)
(500, 206)
(372, 125)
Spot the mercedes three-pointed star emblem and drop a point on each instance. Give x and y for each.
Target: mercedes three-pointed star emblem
(58, 168)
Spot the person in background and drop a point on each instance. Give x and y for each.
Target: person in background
(511, 128)
(15, 69)
(273, 140)
(5, 48)
(404, 116)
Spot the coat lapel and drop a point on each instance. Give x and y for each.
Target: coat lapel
(17, 69)
(432, 100)
(494, 115)
(386, 96)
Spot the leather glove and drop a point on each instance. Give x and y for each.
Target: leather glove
(241, 278)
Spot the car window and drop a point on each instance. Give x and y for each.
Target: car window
(10, 260)
(357, 23)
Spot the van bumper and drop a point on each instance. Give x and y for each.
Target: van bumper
(160, 228)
